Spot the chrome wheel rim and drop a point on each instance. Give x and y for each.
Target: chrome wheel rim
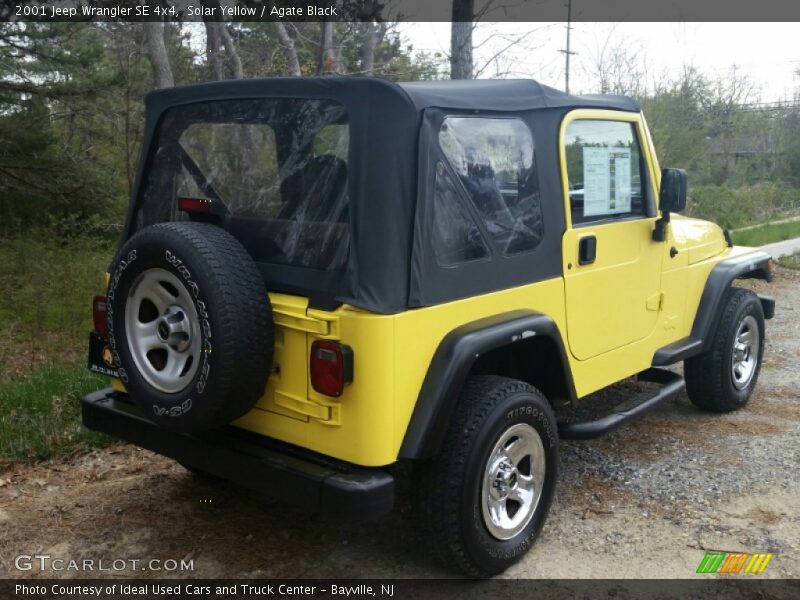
(512, 481)
(746, 344)
(163, 331)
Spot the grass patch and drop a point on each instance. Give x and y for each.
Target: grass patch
(40, 413)
(790, 262)
(765, 234)
(47, 284)
(45, 307)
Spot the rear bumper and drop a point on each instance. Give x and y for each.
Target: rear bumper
(315, 482)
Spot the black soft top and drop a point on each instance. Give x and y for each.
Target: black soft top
(474, 94)
(504, 95)
(385, 271)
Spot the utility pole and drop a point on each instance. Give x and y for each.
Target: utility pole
(568, 52)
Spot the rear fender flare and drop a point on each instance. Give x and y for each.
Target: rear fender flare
(451, 365)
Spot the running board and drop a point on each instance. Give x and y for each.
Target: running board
(671, 384)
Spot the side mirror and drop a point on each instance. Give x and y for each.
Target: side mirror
(671, 198)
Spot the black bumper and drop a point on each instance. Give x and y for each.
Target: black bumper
(315, 482)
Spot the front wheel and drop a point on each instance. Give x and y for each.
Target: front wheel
(723, 378)
(484, 499)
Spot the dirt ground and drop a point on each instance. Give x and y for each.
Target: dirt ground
(644, 502)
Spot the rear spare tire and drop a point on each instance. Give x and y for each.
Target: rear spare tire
(190, 325)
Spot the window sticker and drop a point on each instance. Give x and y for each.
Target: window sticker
(620, 201)
(596, 180)
(607, 180)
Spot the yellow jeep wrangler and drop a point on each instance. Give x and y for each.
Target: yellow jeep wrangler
(321, 279)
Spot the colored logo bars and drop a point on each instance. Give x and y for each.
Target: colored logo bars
(734, 562)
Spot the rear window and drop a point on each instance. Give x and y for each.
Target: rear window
(278, 165)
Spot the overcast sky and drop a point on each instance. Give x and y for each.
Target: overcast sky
(768, 53)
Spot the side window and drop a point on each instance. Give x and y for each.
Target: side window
(604, 169)
(456, 237)
(494, 161)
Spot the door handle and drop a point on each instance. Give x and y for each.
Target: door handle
(587, 250)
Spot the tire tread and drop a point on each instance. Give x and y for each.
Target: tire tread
(704, 374)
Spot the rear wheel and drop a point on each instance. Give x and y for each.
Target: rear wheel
(723, 378)
(484, 499)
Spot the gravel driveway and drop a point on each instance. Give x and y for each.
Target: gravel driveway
(646, 501)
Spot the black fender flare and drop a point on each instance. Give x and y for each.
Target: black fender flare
(720, 279)
(451, 364)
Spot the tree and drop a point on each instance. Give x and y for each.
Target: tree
(288, 48)
(371, 35)
(218, 38)
(56, 140)
(329, 59)
(617, 66)
(231, 54)
(463, 13)
(157, 53)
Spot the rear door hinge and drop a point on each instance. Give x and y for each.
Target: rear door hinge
(327, 414)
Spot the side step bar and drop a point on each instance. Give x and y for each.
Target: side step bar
(671, 385)
(677, 351)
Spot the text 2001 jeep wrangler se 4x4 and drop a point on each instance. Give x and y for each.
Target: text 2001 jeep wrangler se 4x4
(322, 278)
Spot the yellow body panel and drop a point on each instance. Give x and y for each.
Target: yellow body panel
(612, 316)
(622, 287)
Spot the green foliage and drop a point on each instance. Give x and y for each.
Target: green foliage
(735, 207)
(677, 125)
(66, 133)
(743, 162)
(712, 129)
(40, 413)
(790, 262)
(766, 234)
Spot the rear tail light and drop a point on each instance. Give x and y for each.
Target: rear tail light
(331, 367)
(195, 205)
(99, 315)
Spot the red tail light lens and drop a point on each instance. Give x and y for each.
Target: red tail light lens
(194, 205)
(331, 367)
(99, 314)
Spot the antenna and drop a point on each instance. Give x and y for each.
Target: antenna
(568, 52)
